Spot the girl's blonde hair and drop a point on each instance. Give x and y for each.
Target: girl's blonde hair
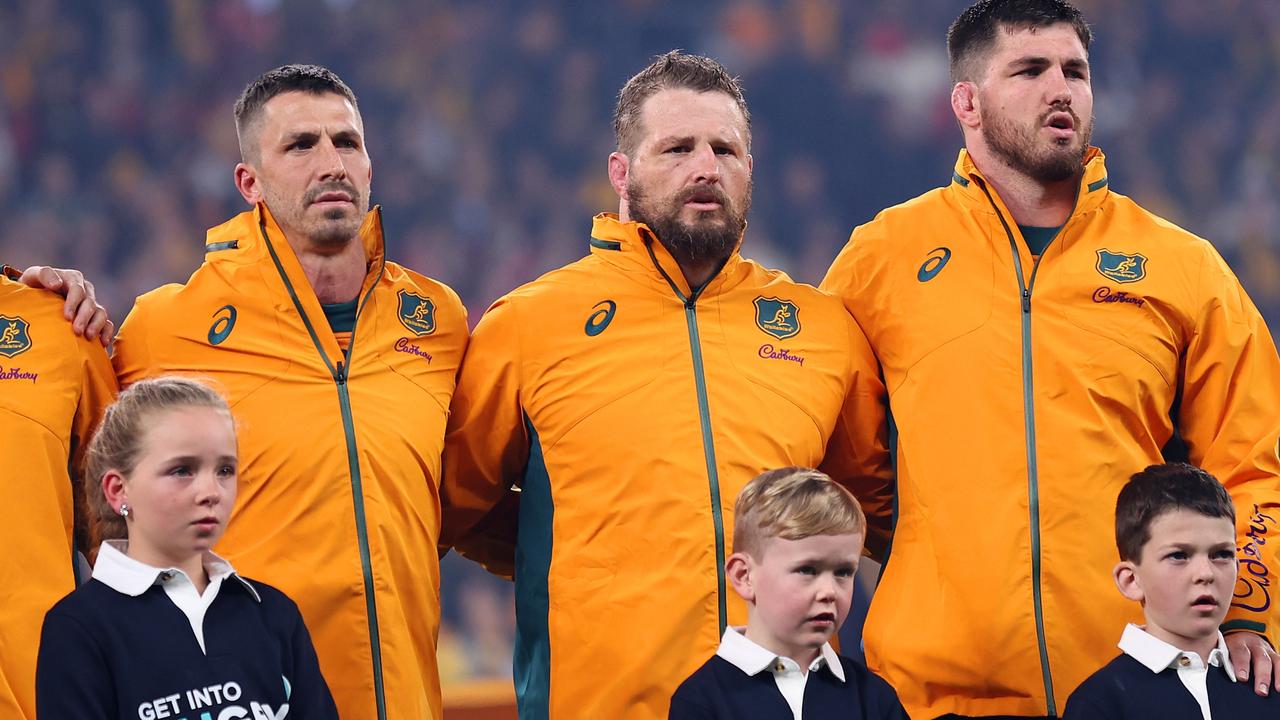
(793, 503)
(118, 443)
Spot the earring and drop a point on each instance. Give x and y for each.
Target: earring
(124, 510)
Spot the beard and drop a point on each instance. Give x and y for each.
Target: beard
(1021, 148)
(336, 227)
(703, 241)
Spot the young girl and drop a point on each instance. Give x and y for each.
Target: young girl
(166, 629)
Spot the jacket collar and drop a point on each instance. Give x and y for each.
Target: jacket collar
(970, 183)
(634, 247)
(253, 237)
(245, 232)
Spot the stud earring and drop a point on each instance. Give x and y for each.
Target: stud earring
(124, 510)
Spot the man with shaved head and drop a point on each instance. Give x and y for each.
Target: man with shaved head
(339, 366)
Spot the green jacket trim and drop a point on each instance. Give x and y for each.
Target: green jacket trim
(534, 539)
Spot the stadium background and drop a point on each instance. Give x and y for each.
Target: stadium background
(489, 123)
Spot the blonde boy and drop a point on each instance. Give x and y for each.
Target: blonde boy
(797, 540)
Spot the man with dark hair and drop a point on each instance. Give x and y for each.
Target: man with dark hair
(340, 366)
(1041, 336)
(631, 395)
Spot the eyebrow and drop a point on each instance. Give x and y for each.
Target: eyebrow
(314, 136)
(1041, 61)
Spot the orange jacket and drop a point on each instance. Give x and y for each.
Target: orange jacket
(1025, 394)
(339, 459)
(631, 411)
(53, 389)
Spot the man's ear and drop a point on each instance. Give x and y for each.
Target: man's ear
(1128, 582)
(966, 104)
(248, 185)
(619, 170)
(739, 569)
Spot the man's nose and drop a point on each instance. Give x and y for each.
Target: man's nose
(1058, 91)
(331, 165)
(706, 165)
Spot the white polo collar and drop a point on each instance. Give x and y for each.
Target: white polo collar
(751, 658)
(1157, 655)
(121, 573)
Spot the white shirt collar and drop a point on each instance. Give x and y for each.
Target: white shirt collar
(1157, 655)
(131, 577)
(751, 658)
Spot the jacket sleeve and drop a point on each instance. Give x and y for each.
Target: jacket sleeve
(132, 356)
(97, 391)
(858, 454)
(1229, 416)
(309, 695)
(486, 446)
(73, 680)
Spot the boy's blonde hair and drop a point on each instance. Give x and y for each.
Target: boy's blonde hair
(793, 503)
(117, 445)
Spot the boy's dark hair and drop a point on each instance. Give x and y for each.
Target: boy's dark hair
(672, 70)
(312, 79)
(973, 34)
(1160, 489)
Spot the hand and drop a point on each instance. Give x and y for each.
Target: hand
(1247, 649)
(87, 317)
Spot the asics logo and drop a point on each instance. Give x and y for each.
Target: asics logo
(933, 265)
(600, 319)
(225, 320)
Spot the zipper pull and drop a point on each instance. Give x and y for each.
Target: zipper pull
(1026, 300)
(340, 374)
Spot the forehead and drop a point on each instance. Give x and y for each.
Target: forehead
(1189, 526)
(297, 111)
(177, 425)
(1057, 42)
(825, 547)
(681, 112)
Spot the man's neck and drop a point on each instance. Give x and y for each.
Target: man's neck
(1030, 201)
(335, 276)
(699, 273)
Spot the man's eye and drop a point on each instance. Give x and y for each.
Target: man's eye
(1176, 555)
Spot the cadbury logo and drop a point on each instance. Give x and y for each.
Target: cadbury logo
(403, 345)
(1253, 585)
(1107, 295)
(768, 352)
(17, 374)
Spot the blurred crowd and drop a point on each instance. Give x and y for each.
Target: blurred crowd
(488, 124)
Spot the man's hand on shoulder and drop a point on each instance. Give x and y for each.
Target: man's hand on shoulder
(1249, 650)
(87, 317)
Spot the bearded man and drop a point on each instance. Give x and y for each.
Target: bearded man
(630, 395)
(1042, 338)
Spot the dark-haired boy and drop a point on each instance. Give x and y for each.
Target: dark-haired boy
(1175, 529)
